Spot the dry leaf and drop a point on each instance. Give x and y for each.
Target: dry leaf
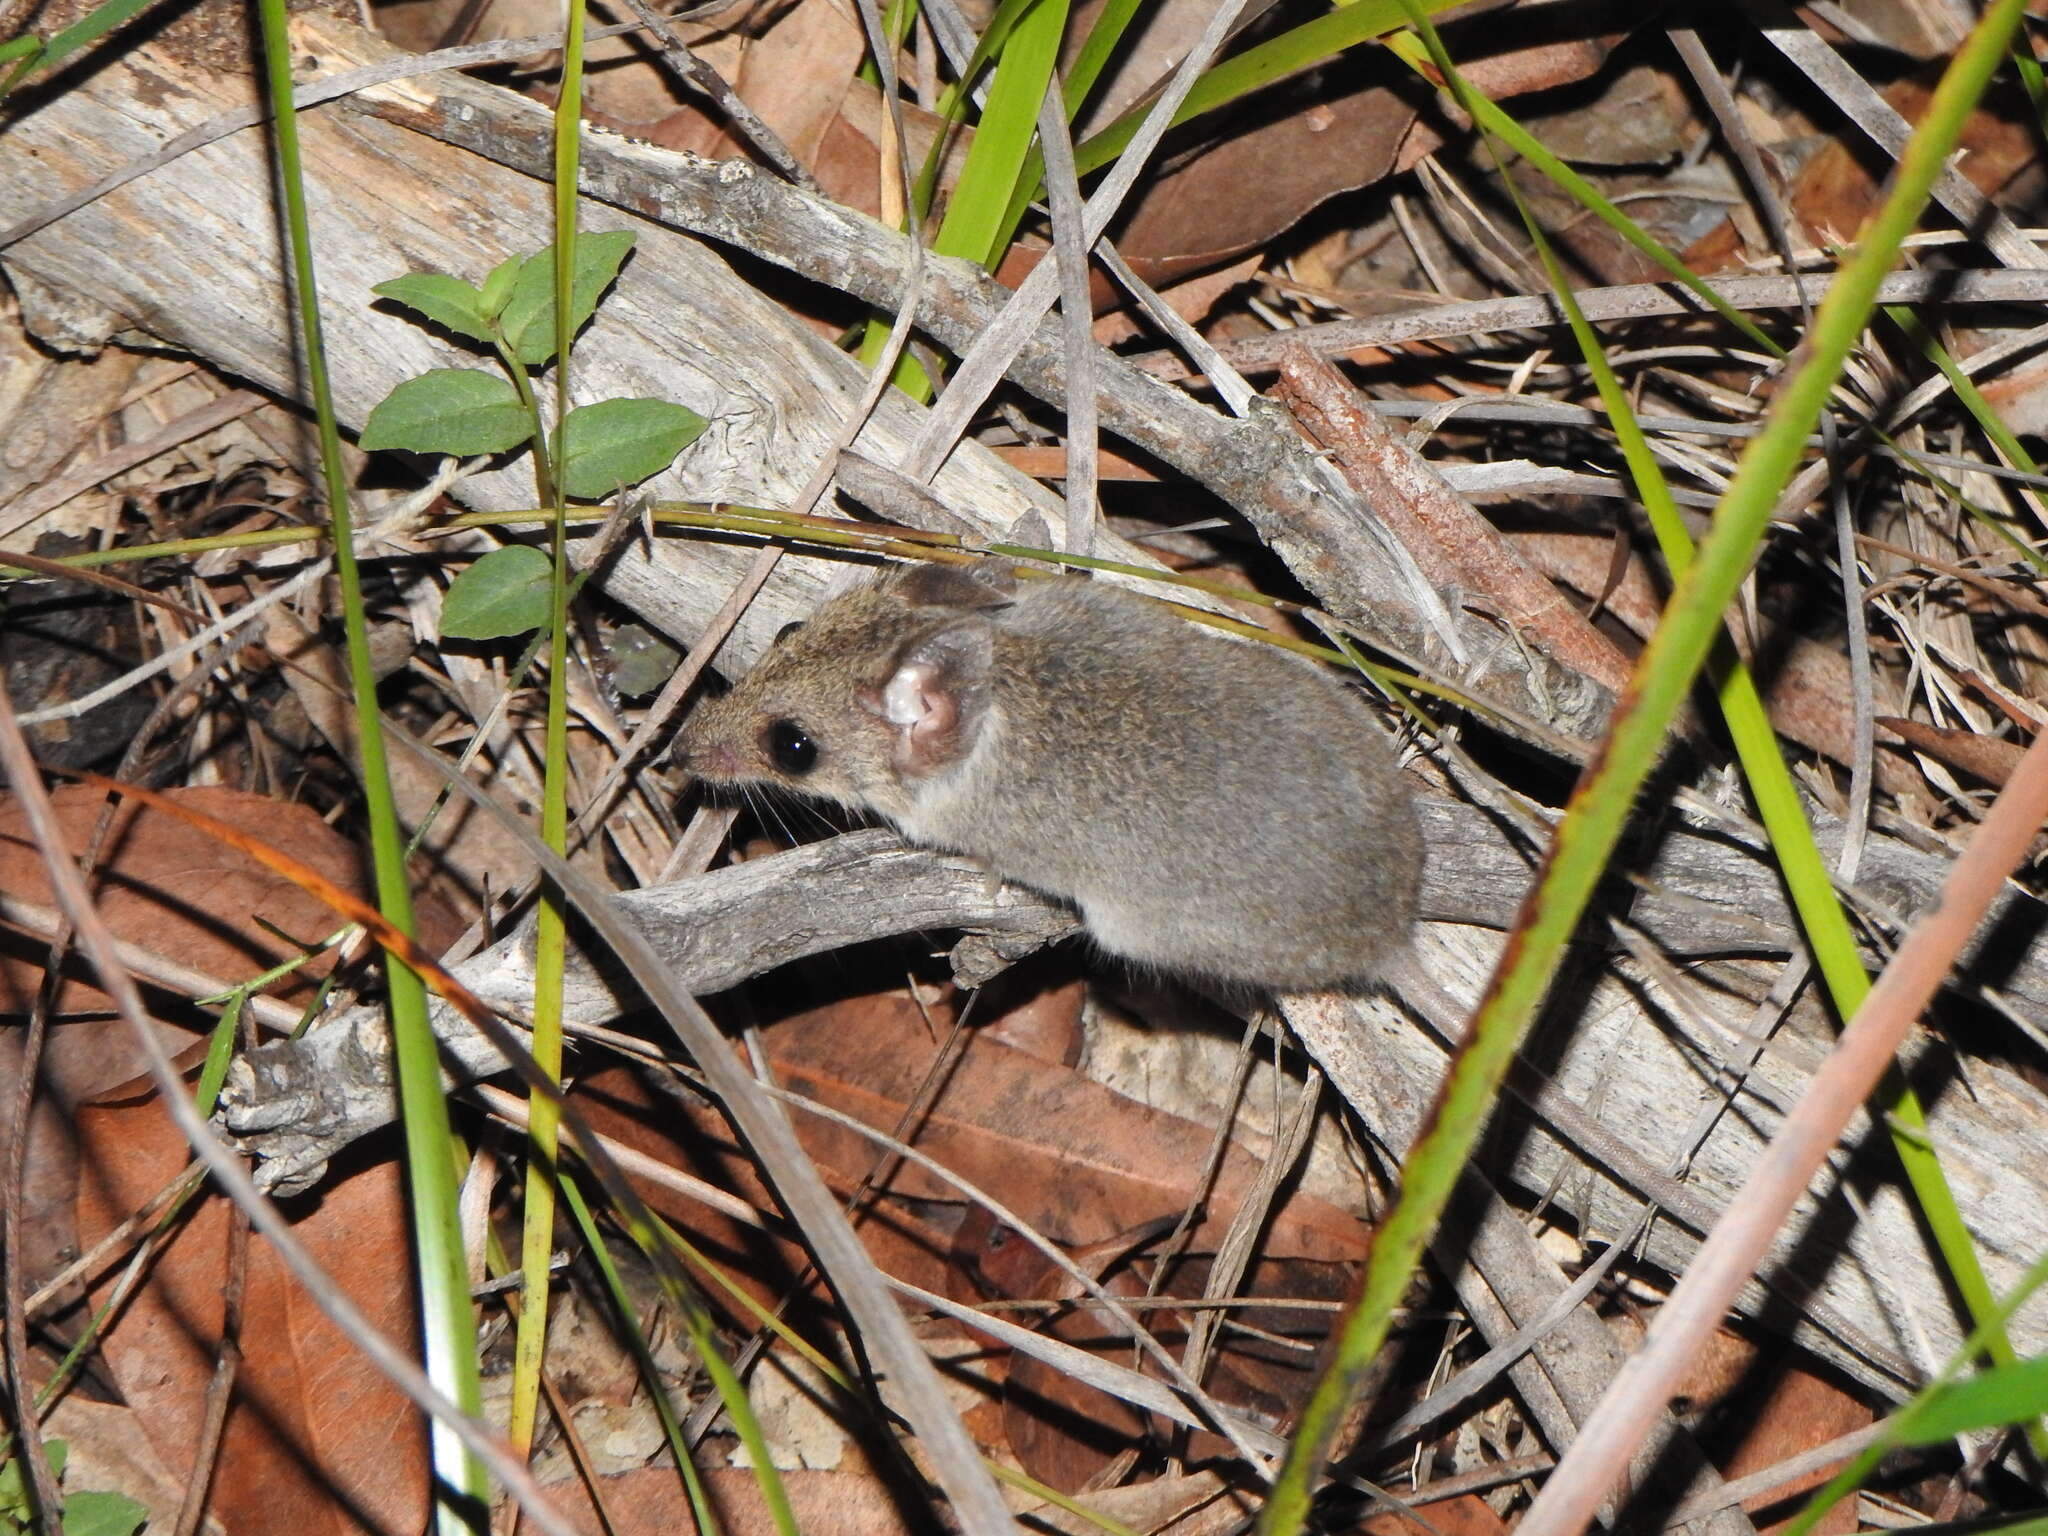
(317, 1441)
(171, 889)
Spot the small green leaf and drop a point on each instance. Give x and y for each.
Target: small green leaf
(448, 301)
(13, 1485)
(504, 593)
(528, 318)
(2004, 1394)
(96, 1513)
(498, 283)
(449, 410)
(617, 443)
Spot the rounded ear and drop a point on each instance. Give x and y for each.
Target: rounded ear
(984, 584)
(936, 697)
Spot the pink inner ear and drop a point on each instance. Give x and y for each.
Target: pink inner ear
(923, 713)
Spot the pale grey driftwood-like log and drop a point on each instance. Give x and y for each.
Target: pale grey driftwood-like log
(188, 256)
(1506, 1282)
(391, 194)
(1703, 894)
(298, 1102)
(1857, 1286)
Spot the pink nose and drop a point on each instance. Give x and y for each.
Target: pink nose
(717, 761)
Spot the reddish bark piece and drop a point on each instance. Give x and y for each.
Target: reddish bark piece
(2020, 397)
(316, 1441)
(1047, 1023)
(910, 1244)
(1989, 758)
(1451, 542)
(1049, 462)
(841, 149)
(1191, 300)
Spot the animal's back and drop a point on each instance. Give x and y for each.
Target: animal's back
(1209, 805)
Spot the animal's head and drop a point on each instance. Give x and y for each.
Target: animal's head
(885, 686)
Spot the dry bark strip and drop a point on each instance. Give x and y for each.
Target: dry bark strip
(1455, 546)
(1464, 318)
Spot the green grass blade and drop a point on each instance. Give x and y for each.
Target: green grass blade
(1807, 877)
(1097, 49)
(974, 225)
(1002, 138)
(23, 54)
(87, 30)
(951, 107)
(1600, 806)
(731, 1391)
(2005, 1394)
(449, 1325)
(2028, 69)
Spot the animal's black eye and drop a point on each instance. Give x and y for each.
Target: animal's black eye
(792, 748)
(787, 630)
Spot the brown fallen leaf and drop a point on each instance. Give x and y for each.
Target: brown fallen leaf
(1062, 1432)
(1465, 1515)
(1078, 1161)
(1191, 300)
(1049, 462)
(1759, 1409)
(794, 76)
(168, 887)
(1302, 142)
(1264, 1364)
(652, 1502)
(317, 1441)
(1836, 189)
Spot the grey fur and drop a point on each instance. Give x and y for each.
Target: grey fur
(1212, 808)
